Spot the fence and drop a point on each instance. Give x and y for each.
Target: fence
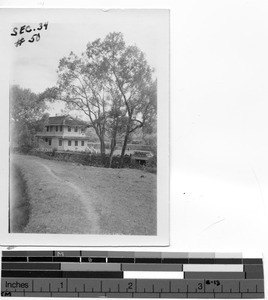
(95, 159)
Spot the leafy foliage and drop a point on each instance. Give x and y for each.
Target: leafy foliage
(111, 83)
(27, 116)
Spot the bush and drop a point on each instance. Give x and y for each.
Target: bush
(151, 165)
(94, 159)
(25, 149)
(54, 151)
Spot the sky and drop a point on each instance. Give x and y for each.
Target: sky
(34, 64)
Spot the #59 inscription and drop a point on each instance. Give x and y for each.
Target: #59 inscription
(27, 29)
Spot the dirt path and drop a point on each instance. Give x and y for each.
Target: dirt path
(56, 205)
(90, 211)
(69, 198)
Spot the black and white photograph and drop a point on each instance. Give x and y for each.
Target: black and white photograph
(88, 98)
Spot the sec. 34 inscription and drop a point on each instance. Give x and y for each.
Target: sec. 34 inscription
(28, 33)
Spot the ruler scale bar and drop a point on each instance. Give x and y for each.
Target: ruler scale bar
(66, 256)
(119, 274)
(174, 285)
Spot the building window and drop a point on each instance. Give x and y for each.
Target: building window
(49, 142)
(47, 128)
(76, 143)
(82, 143)
(60, 142)
(69, 128)
(69, 143)
(75, 129)
(60, 128)
(82, 130)
(46, 140)
(56, 128)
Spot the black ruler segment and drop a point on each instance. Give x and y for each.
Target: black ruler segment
(93, 259)
(148, 260)
(41, 258)
(228, 261)
(14, 258)
(254, 261)
(27, 266)
(22, 253)
(61, 274)
(125, 274)
(107, 274)
(201, 261)
(211, 275)
(121, 260)
(175, 260)
(253, 268)
(66, 259)
(26, 273)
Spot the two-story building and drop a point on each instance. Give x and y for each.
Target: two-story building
(64, 133)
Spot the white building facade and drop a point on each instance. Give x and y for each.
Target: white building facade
(64, 133)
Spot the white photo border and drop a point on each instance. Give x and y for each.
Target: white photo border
(15, 15)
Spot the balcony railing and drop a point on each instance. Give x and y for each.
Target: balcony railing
(60, 133)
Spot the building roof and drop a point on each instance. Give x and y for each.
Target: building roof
(58, 120)
(66, 120)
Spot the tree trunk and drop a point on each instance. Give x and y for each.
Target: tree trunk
(113, 144)
(125, 145)
(102, 150)
(102, 147)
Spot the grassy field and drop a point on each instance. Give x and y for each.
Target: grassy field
(19, 206)
(62, 197)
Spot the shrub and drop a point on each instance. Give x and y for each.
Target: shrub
(151, 165)
(95, 159)
(54, 150)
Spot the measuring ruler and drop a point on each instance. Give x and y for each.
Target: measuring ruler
(115, 274)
